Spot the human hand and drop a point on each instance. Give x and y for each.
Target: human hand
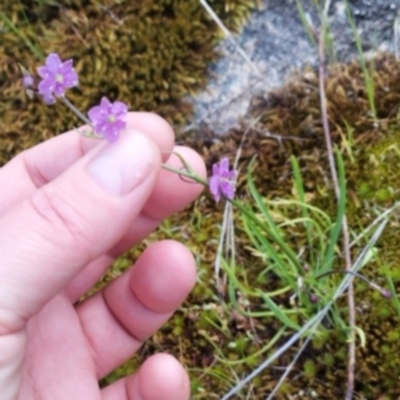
(68, 208)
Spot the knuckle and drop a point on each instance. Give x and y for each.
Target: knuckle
(61, 221)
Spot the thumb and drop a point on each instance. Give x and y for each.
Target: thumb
(50, 237)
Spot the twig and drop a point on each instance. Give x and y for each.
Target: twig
(289, 368)
(225, 242)
(111, 14)
(345, 228)
(279, 138)
(396, 36)
(375, 222)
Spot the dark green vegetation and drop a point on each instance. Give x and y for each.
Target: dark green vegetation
(212, 337)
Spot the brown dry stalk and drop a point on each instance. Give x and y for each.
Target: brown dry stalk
(345, 228)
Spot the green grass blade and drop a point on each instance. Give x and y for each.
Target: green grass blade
(283, 267)
(305, 22)
(34, 49)
(368, 75)
(298, 181)
(270, 228)
(278, 312)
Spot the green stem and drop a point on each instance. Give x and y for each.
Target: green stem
(186, 173)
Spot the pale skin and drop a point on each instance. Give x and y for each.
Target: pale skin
(68, 208)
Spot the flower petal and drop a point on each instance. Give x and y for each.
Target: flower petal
(28, 80)
(53, 62)
(214, 183)
(224, 165)
(66, 66)
(48, 99)
(70, 79)
(59, 90)
(95, 113)
(105, 104)
(222, 181)
(119, 108)
(43, 71)
(46, 86)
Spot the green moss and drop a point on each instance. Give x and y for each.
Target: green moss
(310, 369)
(329, 360)
(150, 54)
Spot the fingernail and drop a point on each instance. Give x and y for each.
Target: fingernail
(121, 166)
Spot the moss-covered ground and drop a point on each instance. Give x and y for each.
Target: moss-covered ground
(150, 54)
(217, 343)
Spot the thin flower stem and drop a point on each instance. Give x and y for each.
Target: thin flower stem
(92, 134)
(185, 173)
(75, 110)
(345, 229)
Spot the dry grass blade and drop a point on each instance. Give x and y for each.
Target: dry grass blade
(227, 33)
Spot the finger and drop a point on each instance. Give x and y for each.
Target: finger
(48, 238)
(129, 310)
(43, 163)
(170, 194)
(161, 377)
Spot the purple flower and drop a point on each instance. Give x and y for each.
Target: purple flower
(108, 118)
(48, 99)
(386, 293)
(57, 76)
(313, 298)
(222, 181)
(28, 81)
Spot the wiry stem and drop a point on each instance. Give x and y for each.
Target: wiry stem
(384, 292)
(75, 110)
(345, 227)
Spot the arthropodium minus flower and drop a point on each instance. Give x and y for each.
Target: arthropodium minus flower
(108, 118)
(57, 76)
(386, 293)
(28, 81)
(222, 181)
(313, 298)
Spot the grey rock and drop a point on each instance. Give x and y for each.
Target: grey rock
(276, 42)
